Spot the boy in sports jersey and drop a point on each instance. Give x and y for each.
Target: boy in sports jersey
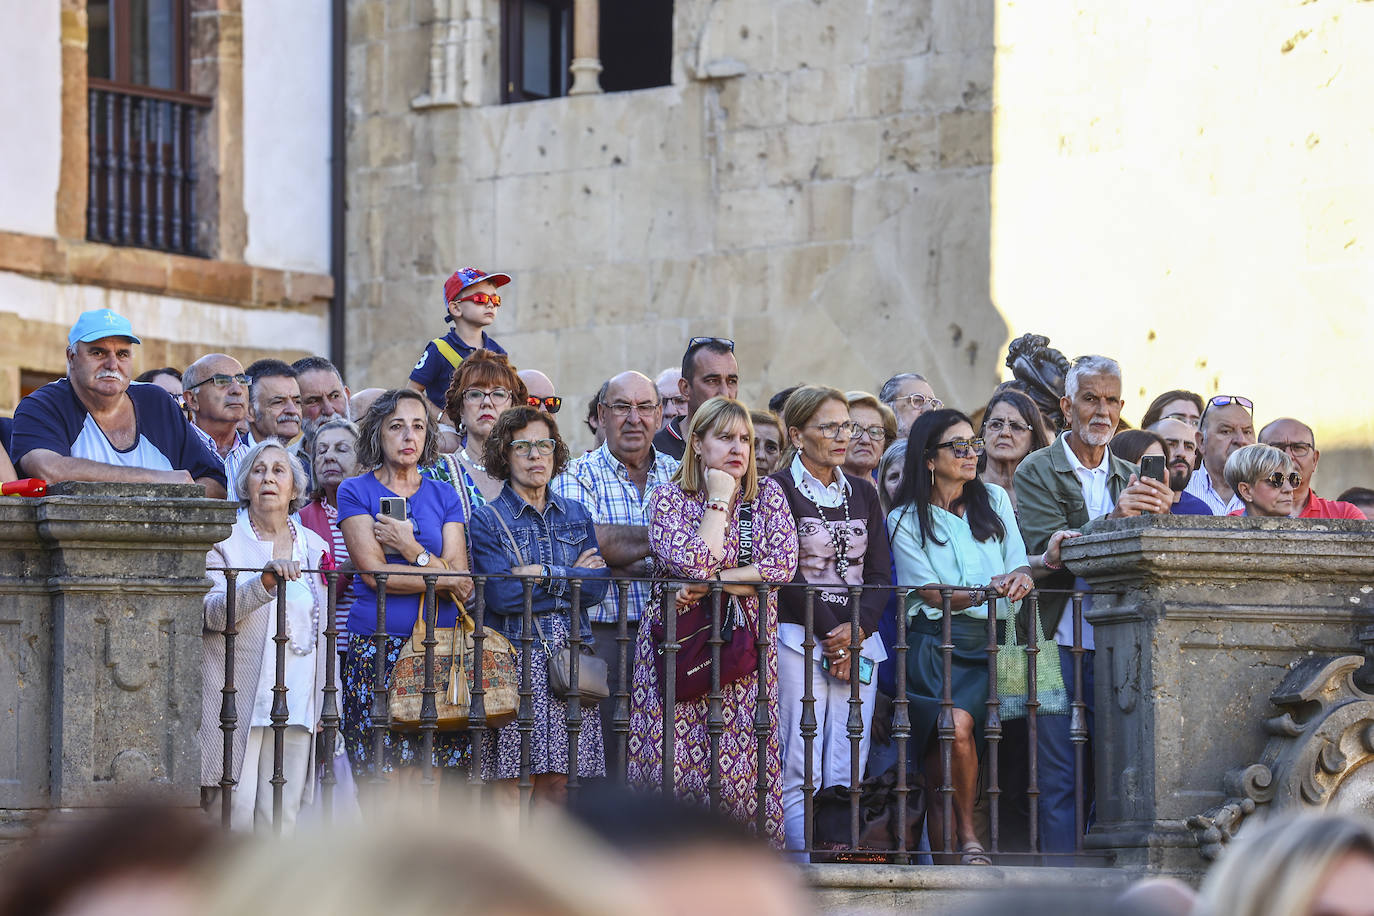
(471, 299)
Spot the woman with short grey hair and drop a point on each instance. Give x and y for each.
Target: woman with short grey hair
(1264, 478)
(271, 485)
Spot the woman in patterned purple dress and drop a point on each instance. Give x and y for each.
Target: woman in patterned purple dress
(694, 532)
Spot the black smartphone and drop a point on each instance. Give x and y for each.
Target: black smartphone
(865, 669)
(394, 507)
(1152, 466)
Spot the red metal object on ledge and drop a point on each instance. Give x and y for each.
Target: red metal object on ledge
(29, 486)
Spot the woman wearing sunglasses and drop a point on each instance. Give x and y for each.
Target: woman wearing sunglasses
(949, 528)
(1264, 479)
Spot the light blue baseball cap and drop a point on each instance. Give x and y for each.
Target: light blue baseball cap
(97, 324)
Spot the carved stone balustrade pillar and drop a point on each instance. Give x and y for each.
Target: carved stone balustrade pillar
(101, 591)
(586, 62)
(1197, 623)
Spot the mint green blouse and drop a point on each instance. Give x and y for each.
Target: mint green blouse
(960, 560)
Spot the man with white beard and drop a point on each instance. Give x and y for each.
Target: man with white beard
(95, 425)
(1064, 487)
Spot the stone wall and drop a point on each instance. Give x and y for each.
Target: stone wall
(814, 184)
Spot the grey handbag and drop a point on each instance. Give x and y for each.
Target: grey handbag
(593, 682)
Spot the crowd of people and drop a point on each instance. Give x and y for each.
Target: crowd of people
(801, 517)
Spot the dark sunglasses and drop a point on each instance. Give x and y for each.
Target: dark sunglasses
(962, 448)
(220, 380)
(482, 298)
(1277, 478)
(702, 341)
(552, 403)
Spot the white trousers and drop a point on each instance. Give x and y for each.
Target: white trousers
(252, 805)
(830, 749)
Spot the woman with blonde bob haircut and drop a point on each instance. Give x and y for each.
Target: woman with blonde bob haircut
(1264, 478)
(1309, 864)
(695, 534)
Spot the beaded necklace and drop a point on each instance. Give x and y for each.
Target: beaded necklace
(839, 538)
(314, 597)
(472, 461)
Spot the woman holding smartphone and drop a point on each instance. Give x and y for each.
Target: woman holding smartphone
(396, 521)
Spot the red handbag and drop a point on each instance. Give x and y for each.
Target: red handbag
(738, 655)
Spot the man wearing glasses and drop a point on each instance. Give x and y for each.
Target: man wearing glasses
(216, 394)
(613, 482)
(1227, 424)
(909, 395)
(1064, 487)
(1297, 439)
(709, 370)
(96, 425)
(674, 402)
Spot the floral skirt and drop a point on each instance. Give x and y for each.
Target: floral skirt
(451, 749)
(549, 735)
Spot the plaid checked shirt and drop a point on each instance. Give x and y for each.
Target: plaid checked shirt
(601, 483)
(231, 460)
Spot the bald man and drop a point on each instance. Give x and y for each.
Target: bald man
(1180, 457)
(1299, 442)
(541, 390)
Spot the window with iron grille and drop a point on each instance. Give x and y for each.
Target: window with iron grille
(142, 125)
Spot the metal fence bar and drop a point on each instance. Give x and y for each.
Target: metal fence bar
(855, 724)
(378, 712)
(429, 710)
(808, 718)
(1078, 725)
(526, 715)
(279, 711)
(574, 702)
(901, 734)
(478, 734)
(945, 728)
(621, 716)
(992, 729)
(1032, 716)
(228, 711)
(329, 711)
(763, 719)
(669, 687)
(715, 719)
(94, 165)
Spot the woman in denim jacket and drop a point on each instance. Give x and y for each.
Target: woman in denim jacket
(553, 540)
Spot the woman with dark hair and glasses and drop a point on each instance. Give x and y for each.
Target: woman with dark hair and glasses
(950, 528)
(528, 530)
(1264, 479)
(1012, 428)
(484, 385)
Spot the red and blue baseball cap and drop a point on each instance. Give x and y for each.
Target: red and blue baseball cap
(97, 324)
(467, 276)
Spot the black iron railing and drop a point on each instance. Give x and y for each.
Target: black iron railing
(938, 787)
(142, 167)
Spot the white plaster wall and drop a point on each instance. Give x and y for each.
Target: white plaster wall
(286, 80)
(31, 107)
(166, 318)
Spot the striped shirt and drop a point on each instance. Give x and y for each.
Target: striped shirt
(601, 483)
(231, 458)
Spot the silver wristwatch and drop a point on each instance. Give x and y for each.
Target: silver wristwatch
(423, 558)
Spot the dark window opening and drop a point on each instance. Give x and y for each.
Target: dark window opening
(138, 42)
(636, 44)
(536, 49)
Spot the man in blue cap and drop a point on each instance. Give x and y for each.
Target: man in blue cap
(95, 425)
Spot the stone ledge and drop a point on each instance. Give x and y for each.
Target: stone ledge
(919, 889)
(147, 270)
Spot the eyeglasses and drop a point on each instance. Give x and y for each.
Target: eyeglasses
(1222, 400)
(525, 447)
(701, 341)
(475, 396)
(997, 424)
(920, 402)
(963, 448)
(845, 430)
(1296, 449)
(1277, 478)
(220, 380)
(482, 298)
(874, 433)
(1183, 418)
(552, 403)
(677, 401)
(621, 410)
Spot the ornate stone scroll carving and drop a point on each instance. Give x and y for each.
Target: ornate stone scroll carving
(456, 56)
(1039, 371)
(1320, 753)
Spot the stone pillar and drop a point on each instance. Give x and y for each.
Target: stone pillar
(100, 645)
(1197, 622)
(586, 62)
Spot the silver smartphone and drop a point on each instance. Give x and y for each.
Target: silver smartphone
(395, 507)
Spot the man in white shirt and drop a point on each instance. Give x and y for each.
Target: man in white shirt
(1228, 424)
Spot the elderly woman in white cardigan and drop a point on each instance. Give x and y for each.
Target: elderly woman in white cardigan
(271, 485)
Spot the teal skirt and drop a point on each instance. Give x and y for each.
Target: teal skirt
(925, 669)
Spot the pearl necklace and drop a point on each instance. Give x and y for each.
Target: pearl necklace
(472, 461)
(840, 538)
(301, 651)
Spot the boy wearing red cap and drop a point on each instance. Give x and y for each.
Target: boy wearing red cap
(471, 301)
